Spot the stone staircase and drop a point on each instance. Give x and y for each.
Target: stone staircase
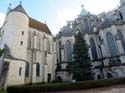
(4, 73)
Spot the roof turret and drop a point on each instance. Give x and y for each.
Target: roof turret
(19, 8)
(84, 12)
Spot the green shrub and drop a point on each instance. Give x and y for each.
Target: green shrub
(2, 91)
(49, 87)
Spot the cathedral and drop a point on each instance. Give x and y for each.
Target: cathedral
(33, 55)
(105, 37)
(30, 50)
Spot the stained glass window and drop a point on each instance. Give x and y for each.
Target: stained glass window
(27, 70)
(37, 69)
(38, 42)
(93, 49)
(111, 44)
(68, 51)
(122, 39)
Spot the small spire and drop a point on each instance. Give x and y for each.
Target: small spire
(9, 8)
(20, 2)
(82, 6)
(45, 21)
(9, 4)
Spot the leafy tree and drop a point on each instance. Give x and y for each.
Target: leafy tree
(81, 66)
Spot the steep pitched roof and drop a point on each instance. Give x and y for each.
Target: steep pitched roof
(32, 22)
(19, 8)
(38, 25)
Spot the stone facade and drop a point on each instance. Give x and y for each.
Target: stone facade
(105, 37)
(30, 49)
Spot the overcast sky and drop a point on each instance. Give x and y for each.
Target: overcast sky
(57, 12)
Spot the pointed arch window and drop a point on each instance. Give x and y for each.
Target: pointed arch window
(37, 69)
(122, 39)
(29, 40)
(48, 44)
(93, 49)
(38, 42)
(111, 44)
(121, 17)
(27, 70)
(68, 51)
(60, 55)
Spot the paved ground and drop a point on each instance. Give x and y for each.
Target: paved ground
(111, 89)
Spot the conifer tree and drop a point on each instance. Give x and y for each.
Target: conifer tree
(81, 66)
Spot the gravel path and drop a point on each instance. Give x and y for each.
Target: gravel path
(111, 89)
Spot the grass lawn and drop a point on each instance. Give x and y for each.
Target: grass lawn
(2, 91)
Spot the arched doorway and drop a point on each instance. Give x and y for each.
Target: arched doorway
(109, 75)
(59, 79)
(49, 77)
(98, 76)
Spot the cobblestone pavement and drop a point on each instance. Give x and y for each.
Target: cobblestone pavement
(111, 89)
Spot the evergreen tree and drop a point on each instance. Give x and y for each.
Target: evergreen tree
(1, 52)
(81, 66)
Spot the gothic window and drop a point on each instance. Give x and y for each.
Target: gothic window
(68, 51)
(29, 40)
(37, 69)
(93, 49)
(86, 26)
(122, 39)
(60, 51)
(38, 43)
(48, 45)
(20, 71)
(27, 70)
(121, 17)
(111, 44)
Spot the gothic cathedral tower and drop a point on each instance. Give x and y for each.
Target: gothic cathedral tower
(122, 8)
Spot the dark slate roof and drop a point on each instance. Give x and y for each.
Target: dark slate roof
(97, 25)
(107, 22)
(19, 8)
(66, 31)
